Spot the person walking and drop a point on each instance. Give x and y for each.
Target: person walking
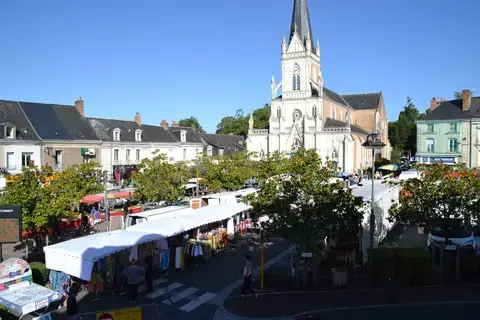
(247, 277)
(134, 275)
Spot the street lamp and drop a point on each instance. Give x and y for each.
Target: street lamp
(105, 196)
(373, 143)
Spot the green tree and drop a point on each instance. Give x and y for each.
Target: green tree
(159, 180)
(239, 123)
(189, 122)
(403, 132)
(458, 95)
(273, 164)
(45, 197)
(442, 197)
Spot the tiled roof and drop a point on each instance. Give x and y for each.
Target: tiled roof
(332, 123)
(452, 110)
(334, 96)
(192, 136)
(229, 143)
(363, 101)
(54, 122)
(12, 113)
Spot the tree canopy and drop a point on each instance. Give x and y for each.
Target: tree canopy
(303, 202)
(444, 194)
(403, 132)
(238, 124)
(189, 122)
(159, 180)
(46, 197)
(458, 94)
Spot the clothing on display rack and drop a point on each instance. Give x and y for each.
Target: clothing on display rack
(58, 279)
(179, 258)
(194, 249)
(230, 227)
(162, 244)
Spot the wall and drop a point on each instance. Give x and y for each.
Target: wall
(441, 135)
(192, 151)
(18, 149)
(72, 154)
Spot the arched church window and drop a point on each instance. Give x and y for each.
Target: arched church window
(298, 82)
(296, 77)
(279, 113)
(314, 111)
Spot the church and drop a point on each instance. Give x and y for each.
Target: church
(305, 114)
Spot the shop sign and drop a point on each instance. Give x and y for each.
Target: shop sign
(41, 304)
(10, 224)
(124, 314)
(14, 271)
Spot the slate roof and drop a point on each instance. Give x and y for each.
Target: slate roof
(229, 143)
(335, 97)
(301, 21)
(55, 122)
(363, 101)
(332, 123)
(11, 112)
(452, 110)
(157, 134)
(192, 136)
(104, 129)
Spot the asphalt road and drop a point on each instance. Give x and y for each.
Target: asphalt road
(436, 312)
(194, 292)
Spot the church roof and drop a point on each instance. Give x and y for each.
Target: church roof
(301, 21)
(335, 97)
(332, 123)
(363, 101)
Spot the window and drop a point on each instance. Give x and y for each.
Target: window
(184, 154)
(279, 113)
(127, 154)
(183, 136)
(115, 155)
(10, 132)
(138, 135)
(430, 127)
(11, 161)
(197, 152)
(453, 127)
(296, 83)
(209, 151)
(430, 145)
(314, 111)
(452, 145)
(116, 135)
(137, 155)
(26, 159)
(59, 159)
(220, 152)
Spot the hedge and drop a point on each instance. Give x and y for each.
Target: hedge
(406, 266)
(39, 273)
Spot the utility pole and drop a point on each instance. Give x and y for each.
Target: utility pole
(262, 260)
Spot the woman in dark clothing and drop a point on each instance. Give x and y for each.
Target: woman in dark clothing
(71, 293)
(149, 273)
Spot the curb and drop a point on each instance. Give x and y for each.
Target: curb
(379, 306)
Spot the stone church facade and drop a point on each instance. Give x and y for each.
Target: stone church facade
(307, 114)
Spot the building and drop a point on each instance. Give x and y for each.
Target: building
(190, 144)
(222, 144)
(307, 114)
(450, 131)
(47, 134)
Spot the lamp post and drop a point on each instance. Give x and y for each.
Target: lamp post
(373, 143)
(105, 197)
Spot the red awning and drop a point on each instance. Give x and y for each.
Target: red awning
(123, 194)
(90, 199)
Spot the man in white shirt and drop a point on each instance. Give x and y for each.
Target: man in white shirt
(247, 277)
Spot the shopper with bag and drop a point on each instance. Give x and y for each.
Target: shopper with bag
(248, 277)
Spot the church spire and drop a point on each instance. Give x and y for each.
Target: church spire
(301, 23)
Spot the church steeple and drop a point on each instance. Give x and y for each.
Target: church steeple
(301, 23)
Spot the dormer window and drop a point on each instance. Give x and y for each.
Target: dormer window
(116, 134)
(183, 136)
(10, 132)
(138, 135)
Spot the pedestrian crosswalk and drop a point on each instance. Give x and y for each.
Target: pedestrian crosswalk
(178, 294)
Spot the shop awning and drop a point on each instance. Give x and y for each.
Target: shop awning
(90, 199)
(28, 298)
(171, 225)
(77, 256)
(84, 151)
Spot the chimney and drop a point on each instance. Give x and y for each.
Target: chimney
(80, 108)
(174, 123)
(435, 102)
(466, 99)
(137, 119)
(164, 124)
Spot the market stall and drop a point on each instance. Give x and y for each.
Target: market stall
(18, 293)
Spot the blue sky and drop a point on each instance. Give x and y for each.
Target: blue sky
(175, 59)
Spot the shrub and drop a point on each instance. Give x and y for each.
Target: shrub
(383, 264)
(39, 273)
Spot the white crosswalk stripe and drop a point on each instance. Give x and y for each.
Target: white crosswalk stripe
(162, 291)
(198, 302)
(157, 282)
(179, 296)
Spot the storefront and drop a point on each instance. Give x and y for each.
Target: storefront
(124, 172)
(445, 160)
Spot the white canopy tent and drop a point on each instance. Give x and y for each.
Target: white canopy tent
(76, 257)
